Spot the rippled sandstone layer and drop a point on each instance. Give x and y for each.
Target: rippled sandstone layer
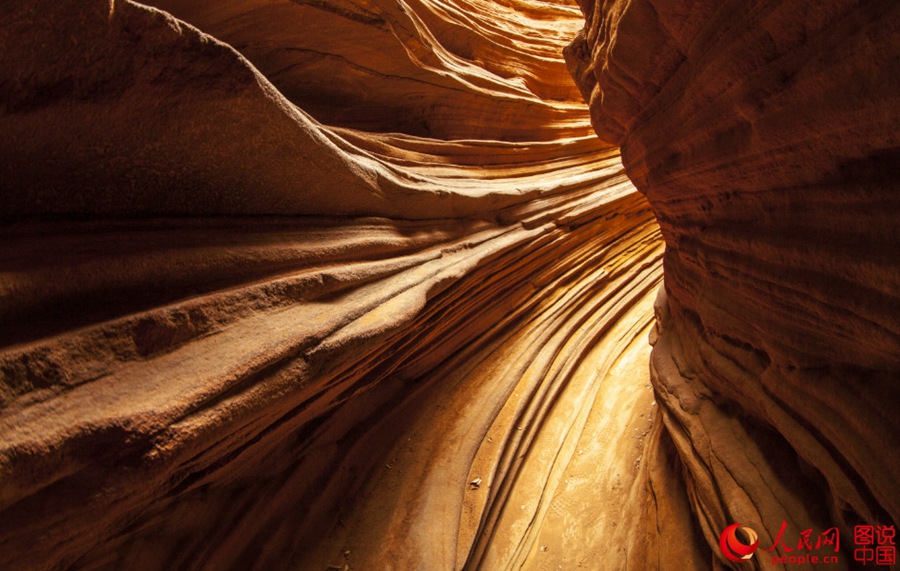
(312, 285)
(765, 136)
(354, 285)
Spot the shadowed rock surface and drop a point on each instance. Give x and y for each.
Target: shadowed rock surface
(355, 285)
(765, 136)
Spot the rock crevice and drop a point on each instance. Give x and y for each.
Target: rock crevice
(759, 134)
(357, 285)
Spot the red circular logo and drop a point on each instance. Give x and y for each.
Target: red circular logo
(735, 548)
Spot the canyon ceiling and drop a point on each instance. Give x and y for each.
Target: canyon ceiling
(446, 284)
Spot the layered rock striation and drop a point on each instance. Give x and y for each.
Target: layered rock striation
(765, 136)
(355, 285)
(311, 285)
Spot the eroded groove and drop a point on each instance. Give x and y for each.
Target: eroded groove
(238, 337)
(345, 284)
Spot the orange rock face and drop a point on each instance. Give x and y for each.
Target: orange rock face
(291, 285)
(353, 284)
(765, 136)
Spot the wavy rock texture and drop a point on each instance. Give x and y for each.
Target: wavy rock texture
(319, 285)
(765, 136)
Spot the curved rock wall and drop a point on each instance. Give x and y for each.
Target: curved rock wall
(117, 109)
(765, 136)
(444, 69)
(291, 285)
(354, 285)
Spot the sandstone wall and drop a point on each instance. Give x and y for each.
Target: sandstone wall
(765, 136)
(354, 284)
(291, 285)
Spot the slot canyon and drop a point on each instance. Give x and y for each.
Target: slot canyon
(337, 285)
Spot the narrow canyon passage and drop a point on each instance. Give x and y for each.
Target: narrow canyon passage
(448, 284)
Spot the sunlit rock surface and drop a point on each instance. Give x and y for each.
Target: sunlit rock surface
(318, 285)
(765, 136)
(338, 285)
